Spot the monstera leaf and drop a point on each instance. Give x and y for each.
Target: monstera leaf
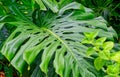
(57, 38)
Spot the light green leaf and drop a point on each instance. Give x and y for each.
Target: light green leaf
(100, 41)
(104, 54)
(87, 40)
(108, 45)
(91, 35)
(116, 56)
(99, 63)
(113, 69)
(90, 51)
(111, 75)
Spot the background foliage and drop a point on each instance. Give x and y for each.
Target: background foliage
(109, 9)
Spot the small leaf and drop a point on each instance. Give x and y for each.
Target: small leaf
(96, 48)
(91, 35)
(87, 34)
(113, 69)
(94, 34)
(104, 55)
(100, 41)
(99, 63)
(87, 40)
(108, 45)
(90, 51)
(116, 56)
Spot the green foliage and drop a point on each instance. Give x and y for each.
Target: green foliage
(46, 40)
(109, 9)
(6, 68)
(113, 69)
(102, 49)
(99, 63)
(115, 56)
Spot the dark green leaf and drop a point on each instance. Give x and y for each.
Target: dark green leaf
(8, 71)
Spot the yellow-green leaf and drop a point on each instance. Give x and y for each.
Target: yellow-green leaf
(99, 63)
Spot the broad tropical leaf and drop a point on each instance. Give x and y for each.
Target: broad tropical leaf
(58, 37)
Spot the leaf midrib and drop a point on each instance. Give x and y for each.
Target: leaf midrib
(56, 36)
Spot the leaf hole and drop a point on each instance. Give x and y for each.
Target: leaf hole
(81, 33)
(52, 26)
(48, 45)
(55, 40)
(43, 38)
(37, 43)
(16, 34)
(70, 40)
(25, 41)
(29, 29)
(37, 33)
(68, 27)
(65, 53)
(22, 44)
(56, 32)
(57, 29)
(68, 32)
(62, 21)
(58, 0)
(58, 17)
(59, 47)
